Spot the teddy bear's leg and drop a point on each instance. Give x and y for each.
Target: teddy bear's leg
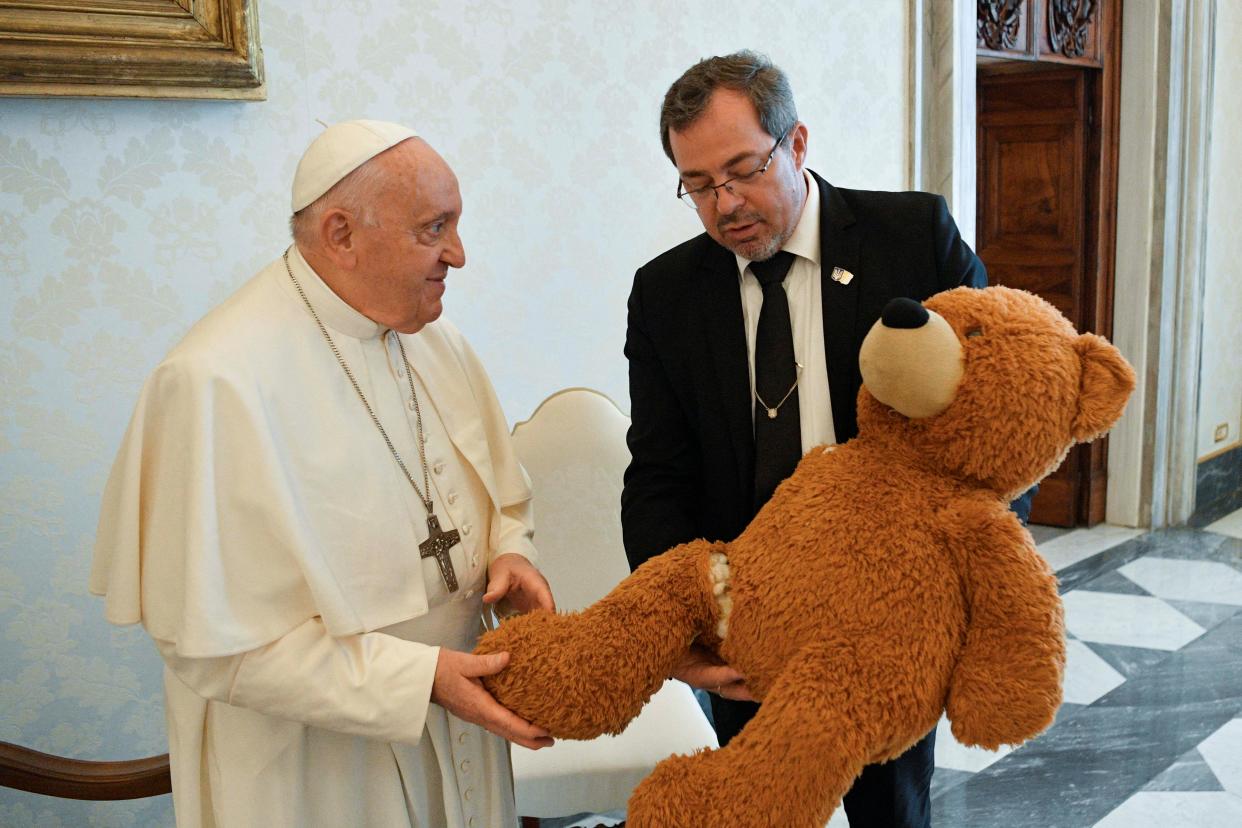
(582, 674)
(819, 725)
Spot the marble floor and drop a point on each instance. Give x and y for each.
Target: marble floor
(1150, 734)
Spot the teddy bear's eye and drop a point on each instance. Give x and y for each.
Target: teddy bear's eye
(971, 333)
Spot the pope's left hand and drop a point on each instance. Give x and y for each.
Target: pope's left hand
(514, 577)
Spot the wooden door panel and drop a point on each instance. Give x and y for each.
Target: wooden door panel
(1032, 204)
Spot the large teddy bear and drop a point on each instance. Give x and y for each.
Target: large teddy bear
(885, 582)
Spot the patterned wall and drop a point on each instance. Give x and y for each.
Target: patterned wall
(121, 222)
(1220, 372)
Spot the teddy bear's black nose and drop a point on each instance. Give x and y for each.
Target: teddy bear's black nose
(904, 313)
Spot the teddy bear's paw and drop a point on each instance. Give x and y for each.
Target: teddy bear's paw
(685, 791)
(990, 729)
(706, 790)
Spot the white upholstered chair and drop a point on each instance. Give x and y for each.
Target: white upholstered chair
(574, 449)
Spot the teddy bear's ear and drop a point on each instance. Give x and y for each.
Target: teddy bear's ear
(1106, 383)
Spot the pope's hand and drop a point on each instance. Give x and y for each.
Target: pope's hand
(513, 577)
(700, 668)
(458, 690)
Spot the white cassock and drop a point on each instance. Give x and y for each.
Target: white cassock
(258, 527)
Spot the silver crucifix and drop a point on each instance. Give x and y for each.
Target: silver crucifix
(437, 546)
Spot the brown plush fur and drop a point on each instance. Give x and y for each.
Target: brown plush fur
(886, 581)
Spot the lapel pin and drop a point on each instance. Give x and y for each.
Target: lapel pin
(840, 274)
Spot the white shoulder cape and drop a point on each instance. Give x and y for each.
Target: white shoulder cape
(252, 493)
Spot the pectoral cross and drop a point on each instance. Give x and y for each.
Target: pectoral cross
(437, 546)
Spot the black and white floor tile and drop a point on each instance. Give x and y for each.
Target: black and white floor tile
(1150, 734)
(1151, 730)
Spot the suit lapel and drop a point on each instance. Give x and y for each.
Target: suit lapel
(840, 243)
(726, 339)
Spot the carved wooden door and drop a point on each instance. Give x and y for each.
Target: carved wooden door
(1048, 95)
(1032, 216)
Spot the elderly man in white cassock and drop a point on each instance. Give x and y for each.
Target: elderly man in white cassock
(314, 500)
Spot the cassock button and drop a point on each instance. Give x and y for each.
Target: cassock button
(452, 498)
(438, 468)
(473, 822)
(465, 766)
(410, 405)
(461, 738)
(465, 529)
(469, 793)
(469, 593)
(474, 559)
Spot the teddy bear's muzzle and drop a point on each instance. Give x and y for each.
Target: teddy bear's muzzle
(912, 360)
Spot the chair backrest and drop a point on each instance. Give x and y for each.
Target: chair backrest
(573, 448)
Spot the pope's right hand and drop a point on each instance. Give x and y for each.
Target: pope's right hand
(458, 689)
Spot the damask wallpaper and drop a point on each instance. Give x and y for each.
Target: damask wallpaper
(122, 222)
(1220, 371)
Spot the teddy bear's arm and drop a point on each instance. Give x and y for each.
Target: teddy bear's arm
(1007, 684)
(820, 724)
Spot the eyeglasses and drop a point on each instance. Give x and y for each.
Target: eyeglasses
(694, 199)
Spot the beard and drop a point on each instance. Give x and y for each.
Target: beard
(764, 246)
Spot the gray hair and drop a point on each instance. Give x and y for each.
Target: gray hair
(355, 193)
(745, 71)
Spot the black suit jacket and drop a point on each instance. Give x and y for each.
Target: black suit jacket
(691, 438)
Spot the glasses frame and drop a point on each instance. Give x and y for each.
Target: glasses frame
(687, 196)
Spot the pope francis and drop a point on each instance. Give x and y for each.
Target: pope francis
(314, 499)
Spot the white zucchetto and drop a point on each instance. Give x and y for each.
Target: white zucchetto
(339, 150)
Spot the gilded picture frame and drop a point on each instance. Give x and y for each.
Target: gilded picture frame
(131, 48)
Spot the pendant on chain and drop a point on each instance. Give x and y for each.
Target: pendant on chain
(774, 410)
(437, 546)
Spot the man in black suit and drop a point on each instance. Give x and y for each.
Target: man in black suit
(720, 415)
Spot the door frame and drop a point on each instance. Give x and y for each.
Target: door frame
(1167, 60)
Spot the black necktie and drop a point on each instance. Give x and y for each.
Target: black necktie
(778, 434)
